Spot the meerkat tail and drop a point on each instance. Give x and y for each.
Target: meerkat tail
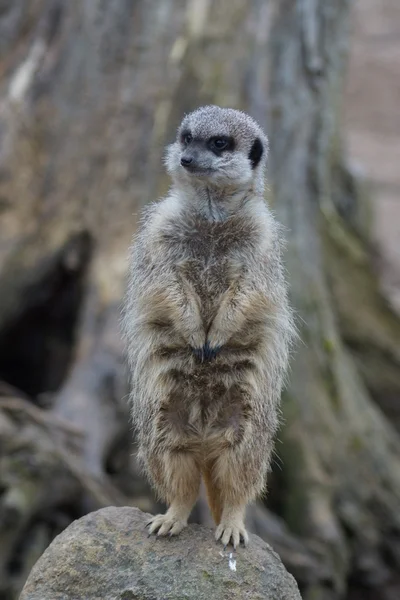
(213, 496)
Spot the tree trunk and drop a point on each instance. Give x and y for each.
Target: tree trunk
(340, 483)
(90, 92)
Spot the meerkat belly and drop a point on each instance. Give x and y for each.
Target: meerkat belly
(207, 408)
(206, 405)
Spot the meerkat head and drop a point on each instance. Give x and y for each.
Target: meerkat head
(219, 147)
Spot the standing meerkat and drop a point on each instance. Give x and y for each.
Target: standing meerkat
(208, 324)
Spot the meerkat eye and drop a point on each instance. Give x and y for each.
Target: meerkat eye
(218, 144)
(187, 138)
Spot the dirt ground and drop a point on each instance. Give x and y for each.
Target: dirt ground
(372, 114)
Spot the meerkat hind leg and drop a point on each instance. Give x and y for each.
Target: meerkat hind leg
(235, 491)
(180, 487)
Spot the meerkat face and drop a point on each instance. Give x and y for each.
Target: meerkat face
(220, 147)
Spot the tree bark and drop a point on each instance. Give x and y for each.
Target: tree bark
(340, 483)
(90, 92)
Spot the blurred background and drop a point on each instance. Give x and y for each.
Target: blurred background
(90, 93)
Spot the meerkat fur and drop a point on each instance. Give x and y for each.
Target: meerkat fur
(208, 325)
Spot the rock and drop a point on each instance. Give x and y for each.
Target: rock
(107, 555)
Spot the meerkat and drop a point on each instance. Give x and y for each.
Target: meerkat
(208, 325)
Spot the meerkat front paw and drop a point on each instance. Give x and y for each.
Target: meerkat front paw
(233, 532)
(162, 525)
(197, 340)
(209, 351)
(206, 352)
(216, 338)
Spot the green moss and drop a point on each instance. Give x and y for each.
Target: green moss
(329, 345)
(331, 387)
(295, 498)
(232, 585)
(293, 491)
(315, 592)
(128, 595)
(356, 443)
(366, 321)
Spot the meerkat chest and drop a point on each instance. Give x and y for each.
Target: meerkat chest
(209, 251)
(205, 253)
(210, 279)
(212, 245)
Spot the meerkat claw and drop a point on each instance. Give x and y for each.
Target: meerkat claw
(163, 525)
(231, 534)
(214, 351)
(199, 353)
(209, 352)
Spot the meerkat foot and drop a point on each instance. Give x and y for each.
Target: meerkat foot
(233, 532)
(167, 524)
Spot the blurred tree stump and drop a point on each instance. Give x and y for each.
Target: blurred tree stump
(341, 478)
(90, 92)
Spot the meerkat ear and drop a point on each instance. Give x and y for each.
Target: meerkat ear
(256, 152)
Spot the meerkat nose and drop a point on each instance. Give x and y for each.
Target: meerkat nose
(186, 161)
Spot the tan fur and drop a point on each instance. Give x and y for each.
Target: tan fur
(213, 494)
(206, 267)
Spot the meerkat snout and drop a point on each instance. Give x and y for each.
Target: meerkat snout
(220, 147)
(186, 161)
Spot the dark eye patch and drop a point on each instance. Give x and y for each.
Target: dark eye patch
(221, 143)
(256, 152)
(186, 137)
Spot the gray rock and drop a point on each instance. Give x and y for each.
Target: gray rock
(107, 555)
